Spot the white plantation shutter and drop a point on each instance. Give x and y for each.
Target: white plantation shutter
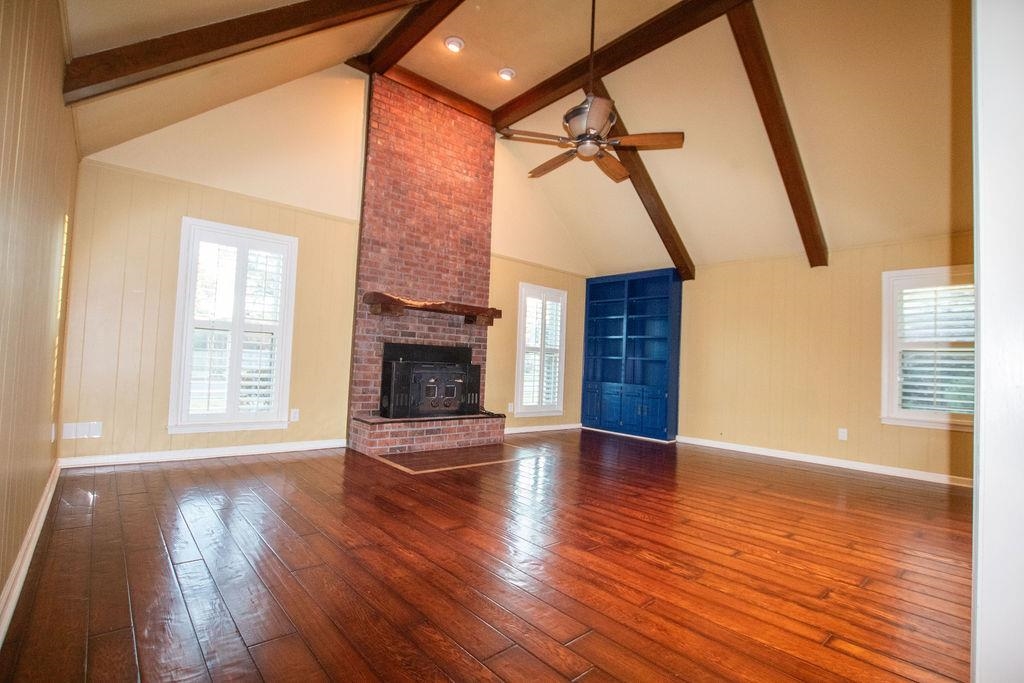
(930, 314)
(553, 334)
(208, 375)
(541, 350)
(213, 311)
(533, 322)
(929, 347)
(258, 384)
(940, 377)
(264, 278)
(232, 350)
(937, 380)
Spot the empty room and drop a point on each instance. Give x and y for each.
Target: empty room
(589, 340)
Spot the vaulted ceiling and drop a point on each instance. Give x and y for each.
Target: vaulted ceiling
(809, 125)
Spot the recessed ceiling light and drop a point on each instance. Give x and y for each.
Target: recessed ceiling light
(454, 43)
(506, 73)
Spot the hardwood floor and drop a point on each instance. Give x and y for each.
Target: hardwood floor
(599, 558)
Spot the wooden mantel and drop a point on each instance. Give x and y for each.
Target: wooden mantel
(389, 304)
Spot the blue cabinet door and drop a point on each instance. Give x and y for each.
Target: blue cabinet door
(592, 404)
(632, 409)
(653, 410)
(611, 406)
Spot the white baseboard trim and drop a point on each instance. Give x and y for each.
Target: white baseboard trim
(541, 428)
(197, 453)
(19, 570)
(831, 462)
(628, 436)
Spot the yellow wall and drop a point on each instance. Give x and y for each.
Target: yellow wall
(38, 161)
(500, 382)
(122, 302)
(310, 153)
(779, 355)
(524, 223)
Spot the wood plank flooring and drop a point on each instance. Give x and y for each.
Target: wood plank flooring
(596, 558)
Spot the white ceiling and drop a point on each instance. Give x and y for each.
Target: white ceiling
(878, 93)
(535, 37)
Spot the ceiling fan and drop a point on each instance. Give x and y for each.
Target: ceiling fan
(588, 125)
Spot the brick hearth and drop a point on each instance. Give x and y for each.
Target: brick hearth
(425, 234)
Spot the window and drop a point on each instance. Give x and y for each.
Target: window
(232, 343)
(928, 348)
(540, 360)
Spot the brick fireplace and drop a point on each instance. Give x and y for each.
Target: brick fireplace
(425, 235)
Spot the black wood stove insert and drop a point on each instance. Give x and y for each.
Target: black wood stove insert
(419, 380)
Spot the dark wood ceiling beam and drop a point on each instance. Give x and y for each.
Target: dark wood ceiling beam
(414, 27)
(662, 29)
(758, 62)
(119, 67)
(649, 196)
(440, 93)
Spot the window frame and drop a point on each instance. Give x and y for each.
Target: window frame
(193, 231)
(546, 294)
(894, 282)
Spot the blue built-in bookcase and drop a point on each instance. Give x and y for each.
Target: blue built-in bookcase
(631, 353)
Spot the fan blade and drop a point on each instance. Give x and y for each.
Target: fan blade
(526, 135)
(552, 164)
(611, 166)
(598, 114)
(540, 141)
(649, 141)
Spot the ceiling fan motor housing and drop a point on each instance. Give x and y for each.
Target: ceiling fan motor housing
(595, 116)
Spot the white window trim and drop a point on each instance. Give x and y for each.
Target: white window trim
(892, 283)
(546, 293)
(178, 420)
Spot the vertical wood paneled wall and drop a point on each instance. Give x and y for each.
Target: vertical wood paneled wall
(38, 162)
(502, 338)
(123, 286)
(779, 355)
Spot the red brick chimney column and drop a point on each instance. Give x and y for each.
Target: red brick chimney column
(425, 234)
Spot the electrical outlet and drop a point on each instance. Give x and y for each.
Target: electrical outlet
(511, 407)
(843, 434)
(81, 430)
(294, 417)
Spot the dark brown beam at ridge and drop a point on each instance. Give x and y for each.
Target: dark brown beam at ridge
(119, 67)
(758, 62)
(414, 26)
(660, 30)
(440, 93)
(649, 196)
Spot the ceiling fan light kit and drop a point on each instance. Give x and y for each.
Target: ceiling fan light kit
(588, 125)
